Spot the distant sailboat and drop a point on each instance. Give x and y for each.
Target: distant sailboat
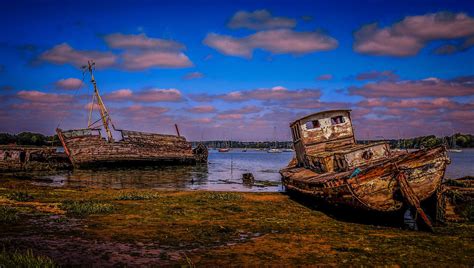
(274, 149)
(225, 149)
(454, 148)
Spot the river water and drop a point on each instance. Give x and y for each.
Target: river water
(222, 173)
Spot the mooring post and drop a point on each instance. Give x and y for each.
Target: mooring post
(177, 130)
(411, 198)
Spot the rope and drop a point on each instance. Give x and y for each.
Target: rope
(73, 97)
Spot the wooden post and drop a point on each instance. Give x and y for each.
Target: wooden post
(411, 198)
(177, 130)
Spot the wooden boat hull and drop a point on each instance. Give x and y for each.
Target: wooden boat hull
(136, 148)
(455, 200)
(374, 186)
(31, 158)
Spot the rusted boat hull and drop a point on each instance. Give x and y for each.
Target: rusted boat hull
(374, 186)
(86, 149)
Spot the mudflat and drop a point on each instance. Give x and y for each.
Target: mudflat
(106, 227)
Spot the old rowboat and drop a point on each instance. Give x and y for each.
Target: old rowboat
(87, 148)
(330, 165)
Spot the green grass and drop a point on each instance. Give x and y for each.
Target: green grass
(137, 196)
(21, 196)
(8, 215)
(83, 208)
(26, 259)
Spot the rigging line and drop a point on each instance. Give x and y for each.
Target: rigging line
(97, 121)
(106, 116)
(93, 98)
(91, 110)
(72, 99)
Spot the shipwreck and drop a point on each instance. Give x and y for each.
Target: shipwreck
(16, 158)
(331, 166)
(88, 148)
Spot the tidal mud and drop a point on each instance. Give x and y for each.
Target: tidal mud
(105, 227)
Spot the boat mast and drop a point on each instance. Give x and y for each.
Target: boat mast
(103, 111)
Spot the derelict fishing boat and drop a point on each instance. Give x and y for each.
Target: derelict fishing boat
(15, 158)
(331, 166)
(86, 147)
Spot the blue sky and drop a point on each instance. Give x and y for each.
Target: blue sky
(320, 54)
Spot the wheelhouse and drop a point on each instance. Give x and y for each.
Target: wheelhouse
(325, 142)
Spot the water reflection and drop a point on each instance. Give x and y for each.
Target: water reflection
(174, 177)
(222, 173)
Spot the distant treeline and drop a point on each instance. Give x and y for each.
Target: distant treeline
(247, 144)
(29, 138)
(457, 140)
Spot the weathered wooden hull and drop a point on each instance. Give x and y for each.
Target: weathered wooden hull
(135, 148)
(201, 153)
(30, 158)
(374, 186)
(455, 201)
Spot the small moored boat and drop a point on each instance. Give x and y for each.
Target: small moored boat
(274, 151)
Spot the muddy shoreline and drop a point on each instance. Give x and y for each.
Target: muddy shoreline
(104, 227)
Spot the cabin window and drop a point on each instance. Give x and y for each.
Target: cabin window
(337, 120)
(367, 155)
(316, 124)
(312, 124)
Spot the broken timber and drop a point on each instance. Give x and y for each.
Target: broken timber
(411, 198)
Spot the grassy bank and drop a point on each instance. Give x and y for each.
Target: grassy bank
(138, 227)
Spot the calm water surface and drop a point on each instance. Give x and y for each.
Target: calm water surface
(462, 164)
(222, 173)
